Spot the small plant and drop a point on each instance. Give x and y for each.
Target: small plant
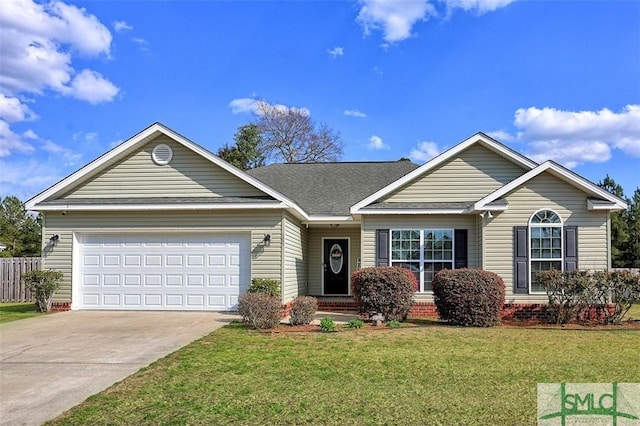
(393, 324)
(268, 286)
(327, 325)
(355, 323)
(260, 310)
(43, 285)
(303, 309)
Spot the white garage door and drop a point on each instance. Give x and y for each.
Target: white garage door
(154, 272)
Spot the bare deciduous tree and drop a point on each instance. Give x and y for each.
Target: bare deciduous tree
(289, 134)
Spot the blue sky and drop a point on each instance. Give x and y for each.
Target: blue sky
(406, 78)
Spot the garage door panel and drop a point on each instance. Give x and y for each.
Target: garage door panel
(177, 272)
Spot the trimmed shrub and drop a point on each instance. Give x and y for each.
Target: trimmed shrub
(303, 309)
(260, 310)
(602, 296)
(384, 290)
(469, 297)
(566, 293)
(268, 286)
(43, 284)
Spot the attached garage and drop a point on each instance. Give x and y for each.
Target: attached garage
(160, 272)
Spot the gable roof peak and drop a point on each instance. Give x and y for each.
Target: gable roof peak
(140, 139)
(445, 156)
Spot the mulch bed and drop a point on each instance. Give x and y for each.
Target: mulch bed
(314, 328)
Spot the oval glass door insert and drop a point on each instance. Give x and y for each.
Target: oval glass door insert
(336, 258)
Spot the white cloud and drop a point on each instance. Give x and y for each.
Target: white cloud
(570, 153)
(10, 141)
(336, 51)
(375, 143)
(92, 87)
(39, 42)
(142, 43)
(575, 137)
(25, 179)
(425, 151)
(394, 18)
(243, 105)
(68, 156)
(12, 110)
(355, 113)
(501, 136)
(479, 6)
(30, 134)
(121, 26)
(85, 136)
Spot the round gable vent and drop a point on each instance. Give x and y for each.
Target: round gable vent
(162, 154)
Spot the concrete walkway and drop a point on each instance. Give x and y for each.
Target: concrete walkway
(51, 363)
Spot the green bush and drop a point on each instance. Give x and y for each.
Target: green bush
(260, 310)
(384, 290)
(303, 309)
(393, 324)
(469, 297)
(268, 286)
(43, 284)
(601, 295)
(566, 293)
(355, 323)
(327, 325)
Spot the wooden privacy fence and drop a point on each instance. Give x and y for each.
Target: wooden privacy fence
(12, 289)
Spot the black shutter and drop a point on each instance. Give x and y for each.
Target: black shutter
(520, 260)
(382, 247)
(460, 249)
(570, 248)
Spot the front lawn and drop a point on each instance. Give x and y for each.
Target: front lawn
(17, 311)
(422, 375)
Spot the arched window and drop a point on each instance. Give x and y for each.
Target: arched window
(545, 244)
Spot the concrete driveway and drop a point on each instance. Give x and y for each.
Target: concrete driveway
(51, 363)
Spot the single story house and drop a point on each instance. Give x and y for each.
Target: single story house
(160, 223)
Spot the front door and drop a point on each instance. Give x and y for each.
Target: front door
(336, 265)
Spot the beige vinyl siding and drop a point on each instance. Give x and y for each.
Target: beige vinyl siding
(545, 192)
(474, 173)
(371, 223)
(315, 253)
(295, 247)
(187, 175)
(265, 260)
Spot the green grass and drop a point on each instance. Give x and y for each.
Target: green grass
(421, 375)
(633, 313)
(17, 311)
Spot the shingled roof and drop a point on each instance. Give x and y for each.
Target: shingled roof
(330, 189)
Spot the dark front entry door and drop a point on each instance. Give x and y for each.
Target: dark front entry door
(336, 266)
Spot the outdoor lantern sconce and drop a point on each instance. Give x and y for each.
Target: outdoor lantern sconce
(53, 241)
(267, 239)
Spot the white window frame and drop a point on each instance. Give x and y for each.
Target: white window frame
(530, 248)
(422, 260)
